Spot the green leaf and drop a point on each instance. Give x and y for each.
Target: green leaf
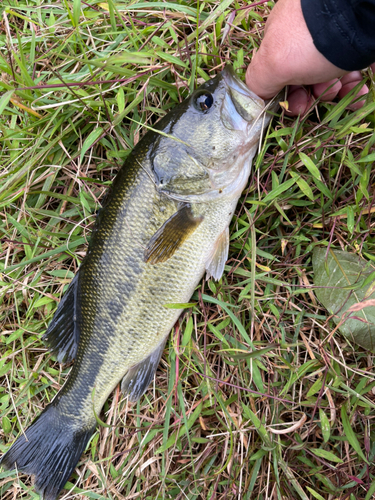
(187, 333)
(71, 245)
(371, 491)
(317, 385)
(98, 420)
(171, 59)
(279, 190)
(215, 13)
(349, 434)
(323, 188)
(327, 482)
(76, 12)
(5, 100)
(350, 219)
(367, 159)
(281, 132)
(6, 425)
(261, 430)
(310, 165)
(183, 430)
(5, 369)
(314, 493)
(42, 302)
(301, 371)
(289, 474)
(257, 353)
(338, 276)
(259, 454)
(304, 187)
(120, 100)
(327, 455)
(326, 427)
(61, 273)
(126, 57)
(184, 305)
(95, 134)
(217, 334)
(334, 115)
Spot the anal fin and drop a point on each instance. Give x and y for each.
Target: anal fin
(62, 335)
(138, 378)
(219, 255)
(171, 235)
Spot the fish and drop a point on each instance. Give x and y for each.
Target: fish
(165, 223)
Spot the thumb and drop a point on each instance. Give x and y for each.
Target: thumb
(260, 79)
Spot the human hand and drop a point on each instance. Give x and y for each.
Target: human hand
(288, 56)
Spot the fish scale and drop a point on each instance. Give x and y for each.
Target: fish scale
(164, 224)
(138, 324)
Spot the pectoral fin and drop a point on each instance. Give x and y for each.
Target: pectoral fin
(62, 335)
(138, 378)
(171, 235)
(219, 255)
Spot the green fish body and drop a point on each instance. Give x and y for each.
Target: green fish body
(164, 225)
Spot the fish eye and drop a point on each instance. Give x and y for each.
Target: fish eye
(203, 100)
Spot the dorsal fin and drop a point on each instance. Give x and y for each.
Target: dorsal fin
(62, 335)
(138, 378)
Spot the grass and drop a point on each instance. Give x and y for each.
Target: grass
(80, 81)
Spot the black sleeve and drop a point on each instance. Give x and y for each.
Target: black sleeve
(342, 30)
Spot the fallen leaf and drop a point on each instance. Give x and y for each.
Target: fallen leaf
(285, 105)
(345, 290)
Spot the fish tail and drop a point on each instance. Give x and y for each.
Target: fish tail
(50, 451)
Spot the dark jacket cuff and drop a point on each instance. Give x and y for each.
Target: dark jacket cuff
(342, 30)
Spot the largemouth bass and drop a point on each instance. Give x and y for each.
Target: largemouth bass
(164, 225)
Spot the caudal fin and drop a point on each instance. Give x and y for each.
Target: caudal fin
(50, 451)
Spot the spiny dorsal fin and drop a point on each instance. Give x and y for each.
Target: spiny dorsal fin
(62, 335)
(219, 255)
(171, 235)
(138, 378)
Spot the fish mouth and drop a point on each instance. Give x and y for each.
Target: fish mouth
(247, 104)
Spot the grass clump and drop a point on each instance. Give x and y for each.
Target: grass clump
(253, 398)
